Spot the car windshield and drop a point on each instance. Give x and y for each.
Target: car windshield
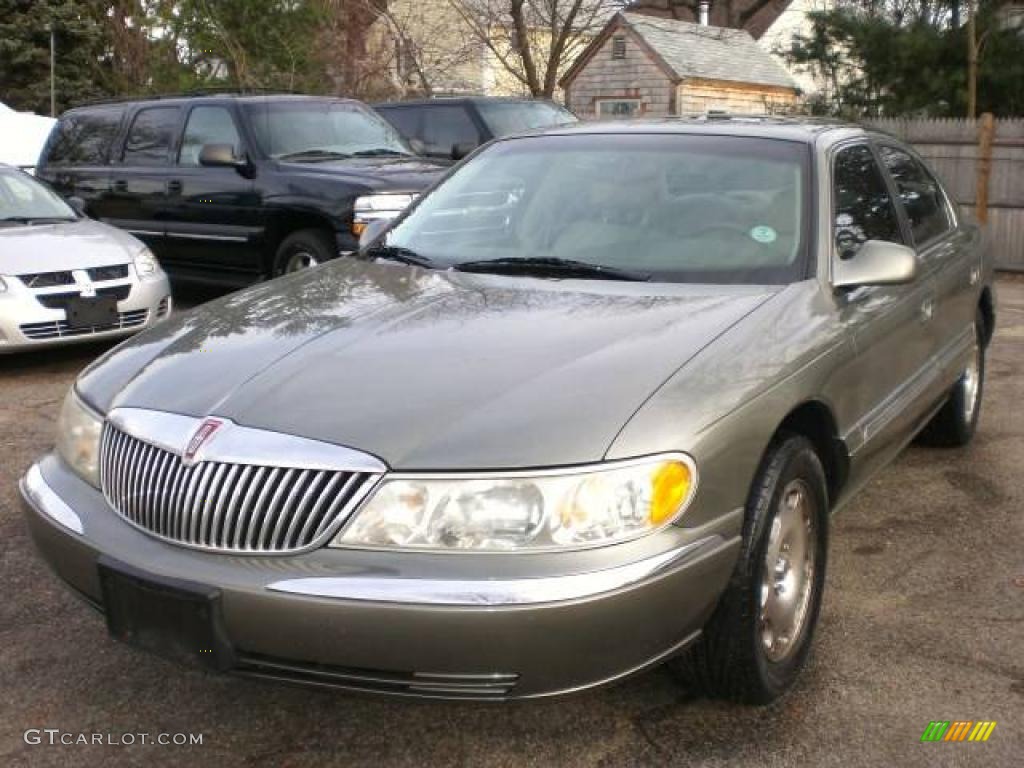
(23, 200)
(677, 208)
(507, 117)
(316, 130)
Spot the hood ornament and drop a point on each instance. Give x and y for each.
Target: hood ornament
(203, 433)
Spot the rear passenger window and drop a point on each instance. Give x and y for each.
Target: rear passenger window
(208, 125)
(151, 136)
(921, 194)
(84, 138)
(864, 209)
(405, 119)
(444, 127)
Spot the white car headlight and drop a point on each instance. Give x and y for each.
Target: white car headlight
(146, 264)
(383, 206)
(560, 509)
(78, 438)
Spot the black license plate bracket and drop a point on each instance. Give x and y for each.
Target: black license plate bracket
(90, 313)
(173, 618)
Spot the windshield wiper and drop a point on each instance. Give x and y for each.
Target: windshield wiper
(381, 153)
(546, 265)
(315, 154)
(397, 253)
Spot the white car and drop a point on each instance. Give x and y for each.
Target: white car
(67, 278)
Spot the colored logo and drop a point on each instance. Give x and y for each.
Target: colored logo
(202, 434)
(958, 730)
(763, 234)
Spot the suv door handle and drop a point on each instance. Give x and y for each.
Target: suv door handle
(927, 309)
(174, 186)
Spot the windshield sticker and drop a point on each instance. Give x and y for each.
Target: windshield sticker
(763, 234)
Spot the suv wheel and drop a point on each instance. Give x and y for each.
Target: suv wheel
(757, 640)
(303, 249)
(955, 423)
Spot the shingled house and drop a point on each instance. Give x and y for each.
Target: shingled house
(642, 65)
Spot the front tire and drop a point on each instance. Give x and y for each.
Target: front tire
(954, 425)
(757, 641)
(303, 249)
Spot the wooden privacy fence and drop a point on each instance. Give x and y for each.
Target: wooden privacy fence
(959, 150)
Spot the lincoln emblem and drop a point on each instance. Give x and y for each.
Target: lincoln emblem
(202, 434)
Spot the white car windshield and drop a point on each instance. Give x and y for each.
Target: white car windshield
(318, 130)
(23, 200)
(664, 207)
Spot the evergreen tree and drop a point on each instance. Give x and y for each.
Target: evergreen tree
(82, 53)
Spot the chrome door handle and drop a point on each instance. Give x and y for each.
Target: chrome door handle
(927, 309)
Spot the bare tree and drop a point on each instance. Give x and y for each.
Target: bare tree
(535, 40)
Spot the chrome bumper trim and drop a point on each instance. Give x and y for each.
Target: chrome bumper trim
(34, 488)
(496, 592)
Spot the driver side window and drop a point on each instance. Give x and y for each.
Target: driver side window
(863, 207)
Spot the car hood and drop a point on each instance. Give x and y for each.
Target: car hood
(59, 247)
(425, 369)
(378, 173)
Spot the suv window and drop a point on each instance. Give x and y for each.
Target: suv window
(505, 117)
(405, 119)
(921, 194)
(446, 126)
(151, 136)
(84, 138)
(208, 125)
(864, 208)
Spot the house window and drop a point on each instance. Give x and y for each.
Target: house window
(619, 47)
(618, 108)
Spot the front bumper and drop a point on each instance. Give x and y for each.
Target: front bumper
(440, 626)
(25, 323)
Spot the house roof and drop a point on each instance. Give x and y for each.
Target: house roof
(712, 53)
(688, 50)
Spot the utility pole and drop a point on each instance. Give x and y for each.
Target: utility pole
(53, 69)
(972, 62)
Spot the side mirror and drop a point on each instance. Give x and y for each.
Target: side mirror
(77, 205)
(459, 151)
(877, 262)
(220, 156)
(374, 229)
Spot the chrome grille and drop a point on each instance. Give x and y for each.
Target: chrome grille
(224, 506)
(59, 329)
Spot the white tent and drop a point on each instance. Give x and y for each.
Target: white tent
(22, 135)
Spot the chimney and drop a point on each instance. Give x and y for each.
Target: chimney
(705, 6)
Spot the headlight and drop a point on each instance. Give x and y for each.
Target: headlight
(567, 509)
(146, 264)
(385, 206)
(78, 438)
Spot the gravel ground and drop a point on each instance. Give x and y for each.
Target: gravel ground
(923, 620)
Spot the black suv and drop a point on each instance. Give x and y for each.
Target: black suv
(451, 128)
(231, 188)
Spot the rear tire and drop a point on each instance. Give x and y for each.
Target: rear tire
(303, 249)
(954, 425)
(756, 642)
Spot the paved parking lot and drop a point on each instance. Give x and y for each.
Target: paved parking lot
(923, 620)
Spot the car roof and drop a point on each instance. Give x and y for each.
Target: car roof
(213, 96)
(458, 100)
(802, 129)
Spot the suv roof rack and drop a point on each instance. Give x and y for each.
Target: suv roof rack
(194, 93)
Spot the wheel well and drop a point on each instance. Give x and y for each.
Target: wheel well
(814, 420)
(286, 224)
(988, 314)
